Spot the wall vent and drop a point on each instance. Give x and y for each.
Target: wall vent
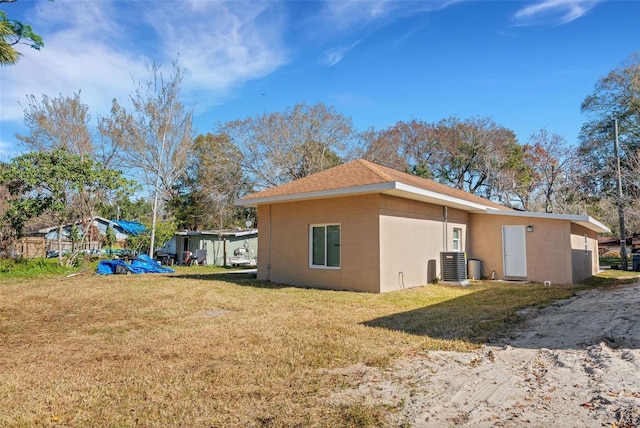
(453, 266)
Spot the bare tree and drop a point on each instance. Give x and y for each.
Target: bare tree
(155, 136)
(280, 147)
(549, 164)
(58, 123)
(405, 146)
(379, 147)
(473, 153)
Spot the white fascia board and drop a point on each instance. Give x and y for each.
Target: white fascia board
(417, 193)
(393, 188)
(583, 220)
(234, 233)
(322, 194)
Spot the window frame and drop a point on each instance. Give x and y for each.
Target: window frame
(455, 240)
(586, 245)
(325, 226)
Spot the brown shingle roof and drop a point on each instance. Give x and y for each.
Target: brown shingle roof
(360, 173)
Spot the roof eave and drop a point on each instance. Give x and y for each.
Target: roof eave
(411, 192)
(322, 194)
(393, 188)
(582, 220)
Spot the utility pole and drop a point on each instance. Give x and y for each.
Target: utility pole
(623, 233)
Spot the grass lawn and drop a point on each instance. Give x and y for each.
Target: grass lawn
(198, 348)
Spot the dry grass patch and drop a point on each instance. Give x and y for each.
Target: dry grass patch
(198, 349)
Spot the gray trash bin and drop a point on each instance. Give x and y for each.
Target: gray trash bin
(474, 269)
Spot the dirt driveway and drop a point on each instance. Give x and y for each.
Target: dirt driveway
(573, 364)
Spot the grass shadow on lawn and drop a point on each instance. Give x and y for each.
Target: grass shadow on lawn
(471, 317)
(482, 313)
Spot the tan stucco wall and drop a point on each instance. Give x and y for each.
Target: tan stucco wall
(411, 234)
(387, 242)
(548, 247)
(284, 243)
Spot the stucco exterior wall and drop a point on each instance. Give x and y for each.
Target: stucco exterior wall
(284, 243)
(585, 259)
(387, 243)
(411, 234)
(548, 246)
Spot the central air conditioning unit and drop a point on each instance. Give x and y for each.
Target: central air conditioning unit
(453, 266)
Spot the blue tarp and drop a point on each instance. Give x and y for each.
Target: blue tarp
(130, 227)
(141, 264)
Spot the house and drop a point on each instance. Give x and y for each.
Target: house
(364, 227)
(612, 243)
(223, 247)
(95, 233)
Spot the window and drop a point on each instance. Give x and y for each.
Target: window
(586, 244)
(324, 243)
(457, 240)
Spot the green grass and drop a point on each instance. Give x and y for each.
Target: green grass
(612, 277)
(32, 268)
(611, 261)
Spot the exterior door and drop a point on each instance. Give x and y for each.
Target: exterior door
(514, 247)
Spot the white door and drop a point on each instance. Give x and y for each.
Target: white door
(514, 249)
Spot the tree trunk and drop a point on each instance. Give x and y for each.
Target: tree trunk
(60, 227)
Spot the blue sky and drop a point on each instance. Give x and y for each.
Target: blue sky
(526, 64)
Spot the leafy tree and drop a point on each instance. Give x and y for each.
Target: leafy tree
(207, 192)
(123, 208)
(475, 155)
(280, 147)
(74, 237)
(615, 96)
(66, 185)
(12, 33)
(155, 137)
(164, 232)
(110, 237)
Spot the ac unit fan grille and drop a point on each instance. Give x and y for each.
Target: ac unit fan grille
(453, 266)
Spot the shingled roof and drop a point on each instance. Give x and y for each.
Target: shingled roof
(363, 177)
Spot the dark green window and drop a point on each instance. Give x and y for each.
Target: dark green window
(325, 246)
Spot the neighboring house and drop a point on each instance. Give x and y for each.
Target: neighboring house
(223, 247)
(365, 227)
(96, 233)
(611, 243)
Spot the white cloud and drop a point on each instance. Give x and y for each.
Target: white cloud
(76, 56)
(335, 55)
(356, 19)
(353, 14)
(222, 45)
(554, 12)
(101, 47)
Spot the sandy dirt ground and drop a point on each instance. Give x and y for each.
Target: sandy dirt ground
(573, 364)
